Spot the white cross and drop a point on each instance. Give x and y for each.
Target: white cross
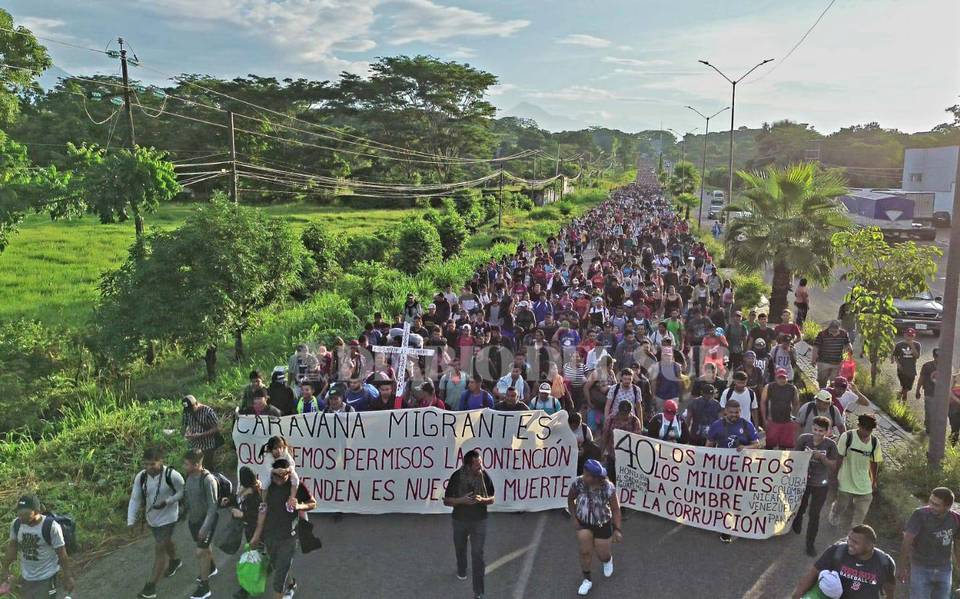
(403, 351)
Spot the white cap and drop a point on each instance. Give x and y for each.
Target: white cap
(545, 387)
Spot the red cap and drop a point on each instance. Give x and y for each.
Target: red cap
(670, 406)
(911, 331)
(781, 372)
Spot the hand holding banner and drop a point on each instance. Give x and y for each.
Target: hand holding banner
(752, 493)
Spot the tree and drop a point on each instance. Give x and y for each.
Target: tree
(114, 186)
(684, 180)
(418, 244)
(24, 60)
(16, 199)
(326, 250)
(881, 272)
(450, 227)
(793, 214)
(204, 282)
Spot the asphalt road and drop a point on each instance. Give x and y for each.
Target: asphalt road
(528, 555)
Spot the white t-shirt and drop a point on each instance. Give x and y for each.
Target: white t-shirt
(38, 560)
(744, 398)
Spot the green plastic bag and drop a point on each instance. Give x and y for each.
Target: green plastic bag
(252, 571)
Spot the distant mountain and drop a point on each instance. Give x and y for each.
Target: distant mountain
(544, 119)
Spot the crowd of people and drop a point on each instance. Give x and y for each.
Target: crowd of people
(623, 320)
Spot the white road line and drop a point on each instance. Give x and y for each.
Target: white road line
(524, 578)
(501, 561)
(756, 591)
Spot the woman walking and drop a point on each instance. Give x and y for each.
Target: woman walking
(595, 515)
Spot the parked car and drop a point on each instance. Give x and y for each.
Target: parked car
(923, 313)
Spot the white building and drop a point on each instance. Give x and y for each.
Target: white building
(932, 169)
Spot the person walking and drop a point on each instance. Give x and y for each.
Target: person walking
(905, 355)
(928, 549)
(200, 492)
(823, 460)
(157, 490)
(829, 347)
(469, 492)
(277, 525)
(595, 515)
(201, 429)
(779, 401)
(732, 432)
(860, 458)
(245, 507)
(865, 571)
(39, 541)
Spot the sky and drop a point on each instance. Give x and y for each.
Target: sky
(626, 64)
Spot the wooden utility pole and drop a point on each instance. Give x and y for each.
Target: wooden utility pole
(500, 211)
(234, 184)
(948, 339)
(126, 93)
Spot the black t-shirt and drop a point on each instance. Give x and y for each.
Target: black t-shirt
(860, 579)
(906, 354)
(503, 406)
(280, 523)
(935, 535)
(483, 487)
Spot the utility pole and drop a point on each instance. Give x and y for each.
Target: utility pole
(703, 167)
(234, 182)
(500, 212)
(558, 160)
(733, 103)
(126, 93)
(559, 170)
(948, 340)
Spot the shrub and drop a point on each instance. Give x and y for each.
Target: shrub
(490, 205)
(884, 396)
(418, 244)
(375, 247)
(545, 213)
(326, 249)
(811, 329)
(564, 207)
(914, 474)
(453, 233)
(749, 289)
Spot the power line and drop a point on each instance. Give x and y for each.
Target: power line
(796, 45)
(27, 33)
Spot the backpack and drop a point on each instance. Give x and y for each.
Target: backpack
(848, 441)
(636, 395)
(728, 392)
(841, 548)
(223, 484)
(811, 407)
(167, 476)
(67, 525)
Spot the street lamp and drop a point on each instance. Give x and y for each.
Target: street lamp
(703, 168)
(733, 101)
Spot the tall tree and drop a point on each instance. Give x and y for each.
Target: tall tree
(793, 214)
(22, 60)
(205, 282)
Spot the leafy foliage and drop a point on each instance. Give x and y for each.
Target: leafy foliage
(418, 244)
(749, 288)
(326, 250)
(19, 49)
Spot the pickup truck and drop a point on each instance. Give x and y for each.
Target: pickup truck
(923, 313)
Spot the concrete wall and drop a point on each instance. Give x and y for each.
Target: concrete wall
(937, 169)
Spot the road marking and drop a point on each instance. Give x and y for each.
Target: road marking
(506, 559)
(755, 591)
(524, 578)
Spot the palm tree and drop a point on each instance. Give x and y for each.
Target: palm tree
(793, 214)
(686, 201)
(682, 183)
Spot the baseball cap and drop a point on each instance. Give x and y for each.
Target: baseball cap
(335, 391)
(781, 372)
(595, 468)
(840, 381)
(718, 331)
(670, 406)
(432, 306)
(911, 331)
(188, 401)
(28, 502)
(823, 395)
(750, 354)
(545, 387)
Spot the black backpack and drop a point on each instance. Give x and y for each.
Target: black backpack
(224, 486)
(67, 525)
(848, 441)
(167, 476)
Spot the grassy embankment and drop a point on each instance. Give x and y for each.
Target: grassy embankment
(82, 463)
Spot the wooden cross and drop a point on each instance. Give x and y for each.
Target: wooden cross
(403, 351)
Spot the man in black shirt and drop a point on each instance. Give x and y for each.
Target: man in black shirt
(276, 525)
(905, 355)
(469, 492)
(928, 548)
(864, 570)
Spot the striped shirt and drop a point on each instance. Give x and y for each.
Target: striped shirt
(576, 374)
(200, 421)
(830, 347)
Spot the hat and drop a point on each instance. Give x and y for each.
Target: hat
(823, 395)
(910, 331)
(707, 389)
(188, 401)
(595, 468)
(432, 307)
(840, 381)
(335, 391)
(781, 372)
(545, 387)
(758, 342)
(628, 304)
(279, 373)
(28, 502)
(718, 331)
(670, 406)
(302, 347)
(750, 354)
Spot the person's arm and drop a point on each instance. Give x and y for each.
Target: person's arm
(487, 484)
(795, 403)
(861, 398)
(906, 555)
(921, 381)
(66, 575)
(615, 513)
(305, 501)
(8, 558)
(571, 507)
(136, 500)
(261, 518)
(805, 583)
(209, 489)
(763, 405)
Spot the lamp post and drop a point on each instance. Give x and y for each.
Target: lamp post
(733, 102)
(703, 167)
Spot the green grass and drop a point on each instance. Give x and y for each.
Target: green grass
(50, 270)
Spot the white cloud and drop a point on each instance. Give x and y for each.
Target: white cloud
(574, 93)
(500, 89)
(634, 62)
(588, 41)
(461, 52)
(427, 21)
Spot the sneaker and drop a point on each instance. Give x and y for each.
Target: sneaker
(608, 568)
(291, 589)
(213, 573)
(797, 525)
(149, 591)
(173, 566)
(461, 576)
(202, 592)
(585, 587)
(725, 538)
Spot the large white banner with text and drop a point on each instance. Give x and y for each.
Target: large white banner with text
(752, 493)
(400, 460)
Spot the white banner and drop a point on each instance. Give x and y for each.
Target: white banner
(752, 493)
(400, 460)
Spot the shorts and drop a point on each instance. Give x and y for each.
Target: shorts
(203, 542)
(906, 379)
(781, 434)
(38, 589)
(164, 533)
(602, 532)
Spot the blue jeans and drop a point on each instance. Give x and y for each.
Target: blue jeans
(928, 582)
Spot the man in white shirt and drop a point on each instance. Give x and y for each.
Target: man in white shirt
(157, 489)
(515, 381)
(746, 397)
